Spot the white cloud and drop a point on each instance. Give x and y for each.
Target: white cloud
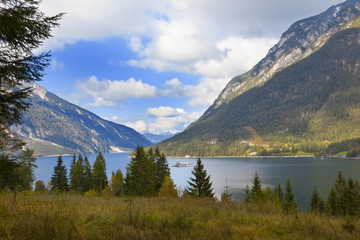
(139, 126)
(165, 112)
(56, 65)
(111, 92)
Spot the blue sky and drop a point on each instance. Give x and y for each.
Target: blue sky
(156, 66)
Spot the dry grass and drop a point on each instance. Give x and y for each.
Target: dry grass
(78, 217)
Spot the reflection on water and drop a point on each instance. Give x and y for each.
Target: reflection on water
(303, 172)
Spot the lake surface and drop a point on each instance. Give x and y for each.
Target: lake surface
(303, 172)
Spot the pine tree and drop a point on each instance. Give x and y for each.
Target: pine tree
(317, 204)
(256, 193)
(72, 173)
(289, 199)
(278, 193)
(99, 173)
(162, 168)
(23, 28)
(332, 203)
(87, 175)
(200, 185)
(8, 172)
(226, 196)
(140, 177)
(59, 178)
(26, 169)
(341, 188)
(350, 198)
(79, 175)
(116, 184)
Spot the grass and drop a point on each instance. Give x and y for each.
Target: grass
(45, 216)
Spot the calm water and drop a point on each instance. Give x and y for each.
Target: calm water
(304, 173)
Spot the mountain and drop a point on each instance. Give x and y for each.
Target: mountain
(156, 138)
(54, 126)
(305, 90)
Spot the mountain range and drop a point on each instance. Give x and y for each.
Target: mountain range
(306, 89)
(54, 126)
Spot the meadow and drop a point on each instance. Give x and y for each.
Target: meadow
(31, 215)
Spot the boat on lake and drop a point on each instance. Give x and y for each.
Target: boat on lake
(182, 164)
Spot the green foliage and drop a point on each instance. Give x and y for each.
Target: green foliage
(289, 203)
(256, 193)
(116, 183)
(59, 178)
(140, 177)
(26, 169)
(168, 190)
(200, 185)
(99, 178)
(87, 175)
(315, 99)
(317, 205)
(344, 197)
(23, 28)
(162, 168)
(40, 186)
(226, 196)
(8, 172)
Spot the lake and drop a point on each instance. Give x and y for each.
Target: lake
(303, 172)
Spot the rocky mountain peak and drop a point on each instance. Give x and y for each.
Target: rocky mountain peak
(299, 41)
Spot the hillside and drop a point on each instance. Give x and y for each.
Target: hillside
(314, 99)
(54, 126)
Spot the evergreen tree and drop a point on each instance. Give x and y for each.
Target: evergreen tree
(226, 196)
(59, 178)
(350, 198)
(289, 199)
(317, 204)
(256, 193)
(72, 173)
(99, 177)
(162, 168)
(140, 177)
(23, 28)
(247, 193)
(341, 188)
(278, 193)
(200, 185)
(168, 190)
(116, 184)
(332, 203)
(79, 180)
(26, 169)
(87, 175)
(8, 172)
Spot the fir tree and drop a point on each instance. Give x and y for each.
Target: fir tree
(87, 175)
(116, 184)
(332, 203)
(256, 193)
(23, 28)
(247, 193)
(289, 199)
(79, 180)
(278, 193)
(341, 188)
(317, 204)
(99, 177)
(26, 169)
(140, 177)
(72, 173)
(59, 178)
(200, 185)
(162, 168)
(226, 196)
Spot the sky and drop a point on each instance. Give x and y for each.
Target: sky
(156, 66)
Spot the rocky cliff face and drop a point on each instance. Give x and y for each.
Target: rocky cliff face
(299, 41)
(54, 126)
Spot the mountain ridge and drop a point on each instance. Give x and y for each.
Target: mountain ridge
(294, 103)
(53, 126)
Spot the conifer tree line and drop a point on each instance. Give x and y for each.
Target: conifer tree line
(148, 174)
